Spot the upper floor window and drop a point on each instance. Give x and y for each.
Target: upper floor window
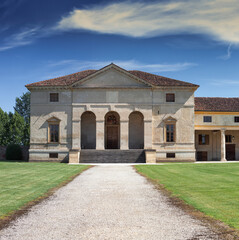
(236, 119)
(54, 97)
(170, 97)
(207, 119)
(170, 132)
(203, 139)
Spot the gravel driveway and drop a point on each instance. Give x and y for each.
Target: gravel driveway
(106, 202)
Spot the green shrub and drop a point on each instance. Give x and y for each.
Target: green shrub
(13, 152)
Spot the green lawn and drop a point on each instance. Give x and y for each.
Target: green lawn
(24, 182)
(211, 188)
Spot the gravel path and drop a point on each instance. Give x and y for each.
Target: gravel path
(106, 202)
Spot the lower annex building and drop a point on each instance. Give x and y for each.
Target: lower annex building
(115, 115)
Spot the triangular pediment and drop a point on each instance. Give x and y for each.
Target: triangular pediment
(111, 77)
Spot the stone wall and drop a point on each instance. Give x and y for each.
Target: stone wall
(25, 153)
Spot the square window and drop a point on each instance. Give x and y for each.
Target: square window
(53, 155)
(170, 97)
(236, 119)
(207, 119)
(54, 97)
(170, 155)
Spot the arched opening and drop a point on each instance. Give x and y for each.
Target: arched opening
(88, 130)
(112, 130)
(136, 130)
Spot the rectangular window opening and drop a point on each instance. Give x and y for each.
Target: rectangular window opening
(170, 97)
(228, 138)
(53, 155)
(207, 119)
(236, 119)
(170, 132)
(54, 97)
(170, 155)
(203, 139)
(54, 133)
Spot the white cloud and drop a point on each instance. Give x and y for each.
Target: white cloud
(21, 38)
(229, 53)
(226, 82)
(76, 65)
(218, 18)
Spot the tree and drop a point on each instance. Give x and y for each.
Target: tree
(15, 129)
(4, 119)
(22, 106)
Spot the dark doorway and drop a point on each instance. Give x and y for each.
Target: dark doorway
(202, 156)
(136, 130)
(230, 152)
(88, 130)
(112, 130)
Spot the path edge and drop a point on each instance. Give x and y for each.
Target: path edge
(221, 230)
(12, 216)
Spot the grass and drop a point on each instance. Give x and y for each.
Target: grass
(23, 182)
(211, 188)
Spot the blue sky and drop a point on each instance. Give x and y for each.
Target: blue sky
(195, 41)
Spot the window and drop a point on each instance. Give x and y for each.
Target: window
(203, 139)
(228, 138)
(54, 97)
(170, 132)
(170, 155)
(53, 155)
(54, 132)
(236, 119)
(170, 97)
(207, 119)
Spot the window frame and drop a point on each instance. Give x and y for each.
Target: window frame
(174, 131)
(51, 122)
(53, 94)
(228, 138)
(236, 119)
(206, 139)
(204, 119)
(169, 99)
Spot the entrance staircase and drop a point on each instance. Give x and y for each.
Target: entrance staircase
(112, 156)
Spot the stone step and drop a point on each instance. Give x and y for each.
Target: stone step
(112, 156)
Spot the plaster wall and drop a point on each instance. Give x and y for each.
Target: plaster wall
(217, 119)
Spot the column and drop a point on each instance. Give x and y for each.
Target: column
(100, 134)
(76, 134)
(223, 145)
(148, 134)
(124, 134)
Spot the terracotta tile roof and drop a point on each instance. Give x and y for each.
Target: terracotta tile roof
(148, 77)
(216, 104)
(160, 80)
(63, 81)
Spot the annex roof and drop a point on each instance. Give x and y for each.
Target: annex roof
(216, 104)
(152, 79)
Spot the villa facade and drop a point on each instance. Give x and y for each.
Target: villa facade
(111, 111)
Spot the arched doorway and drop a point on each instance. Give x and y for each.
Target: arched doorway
(136, 130)
(88, 130)
(112, 130)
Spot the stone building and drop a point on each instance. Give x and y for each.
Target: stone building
(114, 115)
